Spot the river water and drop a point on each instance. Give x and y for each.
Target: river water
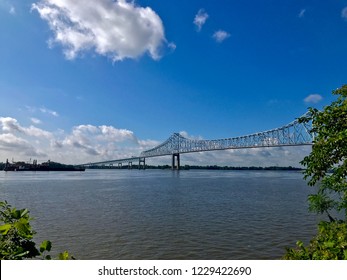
(162, 214)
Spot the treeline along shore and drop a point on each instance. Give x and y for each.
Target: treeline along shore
(203, 167)
(189, 167)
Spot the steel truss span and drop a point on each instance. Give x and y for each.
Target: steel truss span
(292, 134)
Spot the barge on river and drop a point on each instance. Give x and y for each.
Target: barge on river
(45, 166)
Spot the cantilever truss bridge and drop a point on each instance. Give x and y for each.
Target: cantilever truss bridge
(292, 134)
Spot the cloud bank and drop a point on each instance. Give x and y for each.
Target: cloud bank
(115, 29)
(84, 143)
(89, 143)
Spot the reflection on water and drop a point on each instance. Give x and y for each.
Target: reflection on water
(155, 214)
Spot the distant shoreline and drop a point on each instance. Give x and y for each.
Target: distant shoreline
(197, 167)
(206, 167)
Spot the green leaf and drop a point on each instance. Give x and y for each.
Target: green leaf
(4, 229)
(24, 229)
(345, 254)
(24, 212)
(15, 213)
(329, 244)
(63, 256)
(46, 246)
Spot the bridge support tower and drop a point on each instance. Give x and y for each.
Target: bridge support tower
(175, 159)
(142, 163)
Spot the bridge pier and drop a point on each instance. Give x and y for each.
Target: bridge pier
(130, 165)
(175, 159)
(142, 163)
(120, 165)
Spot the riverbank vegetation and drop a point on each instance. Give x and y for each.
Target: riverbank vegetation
(16, 237)
(326, 168)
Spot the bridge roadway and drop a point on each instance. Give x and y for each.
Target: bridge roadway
(292, 134)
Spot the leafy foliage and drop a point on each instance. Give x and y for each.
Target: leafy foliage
(326, 166)
(16, 236)
(329, 244)
(327, 163)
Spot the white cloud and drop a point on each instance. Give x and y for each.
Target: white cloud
(313, 98)
(11, 125)
(13, 146)
(117, 29)
(220, 36)
(43, 110)
(200, 19)
(7, 6)
(8, 140)
(191, 137)
(344, 13)
(8, 124)
(37, 132)
(50, 112)
(35, 120)
(111, 133)
(302, 13)
(148, 144)
(12, 10)
(56, 144)
(102, 142)
(172, 46)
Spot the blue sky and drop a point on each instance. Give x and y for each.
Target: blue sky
(95, 80)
